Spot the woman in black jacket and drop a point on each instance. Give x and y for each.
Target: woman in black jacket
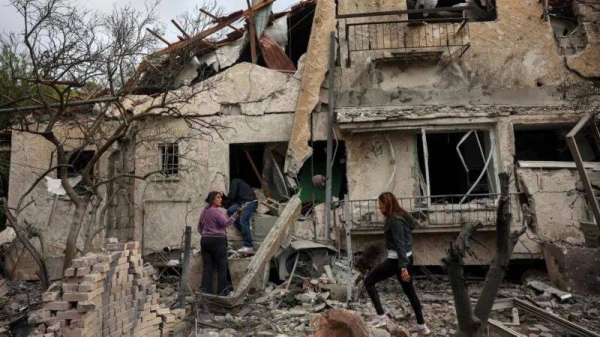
(398, 241)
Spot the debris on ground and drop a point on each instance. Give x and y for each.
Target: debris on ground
(307, 308)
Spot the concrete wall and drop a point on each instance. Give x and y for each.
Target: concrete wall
(512, 60)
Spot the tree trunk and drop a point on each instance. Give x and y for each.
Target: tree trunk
(75, 228)
(504, 250)
(467, 322)
(91, 229)
(22, 237)
(474, 322)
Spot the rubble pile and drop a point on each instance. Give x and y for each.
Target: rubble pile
(110, 294)
(305, 309)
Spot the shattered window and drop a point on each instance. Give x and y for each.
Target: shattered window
(169, 158)
(456, 165)
(549, 143)
(77, 162)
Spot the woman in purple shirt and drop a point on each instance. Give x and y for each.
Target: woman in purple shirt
(213, 243)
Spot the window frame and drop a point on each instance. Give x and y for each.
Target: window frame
(489, 132)
(168, 170)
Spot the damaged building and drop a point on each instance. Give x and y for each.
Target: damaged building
(429, 102)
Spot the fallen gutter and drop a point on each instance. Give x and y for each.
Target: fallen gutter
(267, 250)
(315, 67)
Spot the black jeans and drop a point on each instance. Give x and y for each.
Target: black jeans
(385, 270)
(214, 255)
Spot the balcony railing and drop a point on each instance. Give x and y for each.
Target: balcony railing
(409, 39)
(444, 211)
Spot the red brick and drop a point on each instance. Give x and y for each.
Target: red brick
(50, 296)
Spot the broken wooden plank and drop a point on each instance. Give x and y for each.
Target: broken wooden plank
(206, 33)
(269, 247)
(502, 330)
(185, 34)
(562, 296)
(252, 31)
(158, 36)
(275, 56)
(567, 325)
(263, 185)
(212, 16)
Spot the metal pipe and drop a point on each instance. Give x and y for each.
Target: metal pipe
(57, 105)
(329, 170)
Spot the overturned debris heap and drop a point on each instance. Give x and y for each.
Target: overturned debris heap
(109, 294)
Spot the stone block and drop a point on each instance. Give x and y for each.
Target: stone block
(50, 296)
(77, 297)
(58, 306)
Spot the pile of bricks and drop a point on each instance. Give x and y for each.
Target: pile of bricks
(110, 294)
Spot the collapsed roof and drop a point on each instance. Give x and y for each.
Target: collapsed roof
(276, 41)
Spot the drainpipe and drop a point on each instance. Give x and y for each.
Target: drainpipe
(329, 137)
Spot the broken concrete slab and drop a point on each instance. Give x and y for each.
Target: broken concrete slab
(573, 269)
(539, 286)
(315, 68)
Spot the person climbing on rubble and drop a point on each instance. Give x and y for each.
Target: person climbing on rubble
(213, 243)
(242, 195)
(398, 241)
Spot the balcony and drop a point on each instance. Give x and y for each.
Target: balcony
(435, 214)
(439, 40)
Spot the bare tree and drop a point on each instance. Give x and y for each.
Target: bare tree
(75, 58)
(196, 20)
(472, 321)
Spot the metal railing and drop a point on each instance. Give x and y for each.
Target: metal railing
(430, 36)
(434, 211)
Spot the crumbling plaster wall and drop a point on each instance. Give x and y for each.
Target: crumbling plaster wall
(371, 164)
(168, 205)
(586, 63)
(558, 200)
(31, 156)
(368, 173)
(512, 60)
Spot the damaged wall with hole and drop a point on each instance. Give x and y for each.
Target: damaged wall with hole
(371, 133)
(512, 60)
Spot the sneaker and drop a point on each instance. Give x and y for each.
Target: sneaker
(247, 251)
(421, 329)
(378, 320)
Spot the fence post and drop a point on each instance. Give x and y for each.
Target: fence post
(183, 284)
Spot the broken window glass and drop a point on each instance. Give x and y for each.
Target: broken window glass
(458, 165)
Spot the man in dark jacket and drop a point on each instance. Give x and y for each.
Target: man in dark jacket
(242, 195)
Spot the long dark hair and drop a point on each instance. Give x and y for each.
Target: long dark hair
(211, 197)
(391, 206)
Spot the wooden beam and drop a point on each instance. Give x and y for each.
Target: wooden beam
(210, 31)
(207, 13)
(156, 35)
(263, 185)
(252, 31)
(185, 34)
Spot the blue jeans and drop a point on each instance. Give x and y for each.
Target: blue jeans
(244, 220)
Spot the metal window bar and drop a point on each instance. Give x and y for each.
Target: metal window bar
(169, 159)
(444, 210)
(430, 35)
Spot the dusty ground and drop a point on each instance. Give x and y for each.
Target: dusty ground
(262, 317)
